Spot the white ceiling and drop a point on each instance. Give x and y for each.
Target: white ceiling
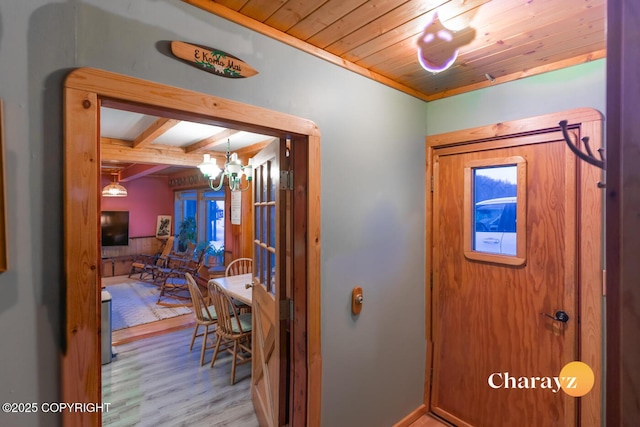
(126, 125)
(127, 129)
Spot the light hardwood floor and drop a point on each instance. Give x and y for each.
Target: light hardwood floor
(158, 382)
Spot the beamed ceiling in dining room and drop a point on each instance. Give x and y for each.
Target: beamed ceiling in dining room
(497, 40)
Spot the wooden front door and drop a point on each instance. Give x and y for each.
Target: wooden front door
(269, 370)
(495, 281)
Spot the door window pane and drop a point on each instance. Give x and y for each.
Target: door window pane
(495, 215)
(495, 201)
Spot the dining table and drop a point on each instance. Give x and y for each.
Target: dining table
(236, 286)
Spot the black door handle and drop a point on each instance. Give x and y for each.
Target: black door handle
(560, 316)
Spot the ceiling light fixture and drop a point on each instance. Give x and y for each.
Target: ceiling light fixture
(114, 189)
(233, 171)
(438, 46)
(436, 35)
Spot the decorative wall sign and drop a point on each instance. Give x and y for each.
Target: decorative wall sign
(190, 179)
(236, 207)
(212, 60)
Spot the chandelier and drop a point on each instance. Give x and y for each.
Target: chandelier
(114, 189)
(233, 171)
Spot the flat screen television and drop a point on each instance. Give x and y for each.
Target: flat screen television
(115, 228)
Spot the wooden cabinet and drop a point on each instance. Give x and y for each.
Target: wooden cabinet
(116, 266)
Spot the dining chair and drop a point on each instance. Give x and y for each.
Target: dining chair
(205, 315)
(233, 328)
(236, 267)
(239, 266)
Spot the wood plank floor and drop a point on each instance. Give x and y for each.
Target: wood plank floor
(157, 381)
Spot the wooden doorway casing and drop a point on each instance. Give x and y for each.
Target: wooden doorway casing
(589, 247)
(83, 90)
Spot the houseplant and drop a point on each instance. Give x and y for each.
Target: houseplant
(213, 256)
(188, 233)
(216, 255)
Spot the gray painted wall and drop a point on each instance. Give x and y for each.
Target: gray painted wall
(372, 184)
(37, 46)
(574, 87)
(372, 191)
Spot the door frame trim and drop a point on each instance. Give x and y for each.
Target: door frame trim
(590, 291)
(83, 89)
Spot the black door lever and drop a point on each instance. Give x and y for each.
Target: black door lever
(560, 316)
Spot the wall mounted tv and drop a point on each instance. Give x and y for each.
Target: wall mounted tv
(115, 228)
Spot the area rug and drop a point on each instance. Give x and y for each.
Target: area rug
(133, 302)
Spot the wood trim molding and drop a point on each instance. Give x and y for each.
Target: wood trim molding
(576, 60)
(521, 235)
(415, 415)
(588, 122)
(84, 89)
(259, 27)
(622, 206)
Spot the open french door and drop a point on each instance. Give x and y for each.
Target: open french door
(269, 342)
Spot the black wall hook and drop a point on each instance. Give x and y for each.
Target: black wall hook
(589, 157)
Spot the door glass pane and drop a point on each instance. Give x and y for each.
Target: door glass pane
(257, 184)
(265, 224)
(495, 206)
(257, 261)
(272, 273)
(190, 208)
(264, 274)
(256, 221)
(274, 179)
(265, 182)
(215, 223)
(272, 222)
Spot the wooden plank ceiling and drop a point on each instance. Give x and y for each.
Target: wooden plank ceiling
(505, 39)
(501, 40)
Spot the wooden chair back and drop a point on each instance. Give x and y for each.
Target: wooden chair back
(239, 266)
(229, 325)
(205, 316)
(191, 250)
(234, 328)
(166, 251)
(199, 305)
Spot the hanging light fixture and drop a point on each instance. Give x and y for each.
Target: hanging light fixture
(114, 189)
(233, 171)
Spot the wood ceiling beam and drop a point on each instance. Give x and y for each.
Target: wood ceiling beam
(120, 150)
(138, 170)
(210, 142)
(150, 134)
(252, 149)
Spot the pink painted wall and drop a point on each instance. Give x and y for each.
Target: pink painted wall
(147, 198)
